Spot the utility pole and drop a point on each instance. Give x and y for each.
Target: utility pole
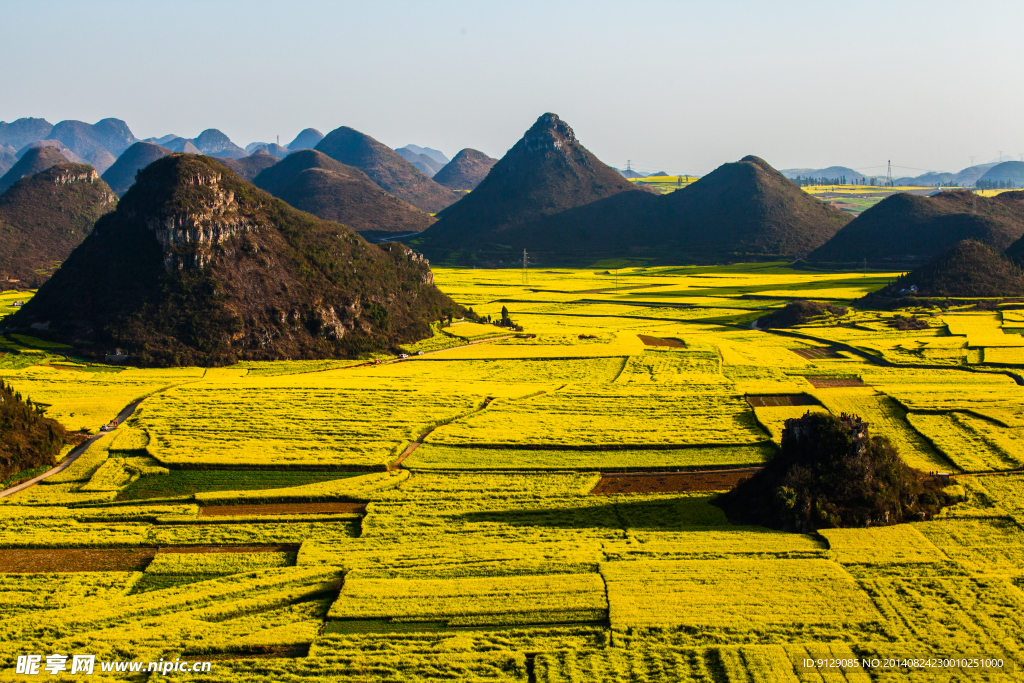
(526, 277)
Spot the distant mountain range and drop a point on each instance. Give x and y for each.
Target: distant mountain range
(965, 178)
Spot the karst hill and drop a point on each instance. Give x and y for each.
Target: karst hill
(32, 161)
(121, 175)
(545, 173)
(312, 181)
(43, 217)
(251, 166)
(467, 170)
(198, 267)
(385, 167)
(906, 228)
(968, 269)
(552, 197)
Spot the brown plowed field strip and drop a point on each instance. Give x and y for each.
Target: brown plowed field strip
(834, 382)
(780, 400)
(678, 482)
(816, 353)
(65, 560)
(54, 560)
(280, 509)
(658, 341)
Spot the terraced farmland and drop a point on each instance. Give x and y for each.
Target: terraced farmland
(445, 517)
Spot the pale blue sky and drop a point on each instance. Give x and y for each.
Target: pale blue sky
(674, 86)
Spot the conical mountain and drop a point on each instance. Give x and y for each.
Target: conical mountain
(307, 139)
(182, 146)
(466, 170)
(121, 175)
(33, 161)
(56, 144)
(198, 267)
(747, 208)
(968, 269)
(314, 182)
(252, 165)
(1005, 174)
(44, 216)
(214, 143)
(906, 228)
(546, 172)
(386, 168)
(19, 133)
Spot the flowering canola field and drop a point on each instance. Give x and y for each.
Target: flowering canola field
(431, 519)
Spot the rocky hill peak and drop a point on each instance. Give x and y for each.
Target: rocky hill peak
(549, 133)
(189, 210)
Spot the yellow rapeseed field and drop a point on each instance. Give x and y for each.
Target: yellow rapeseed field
(431, 519)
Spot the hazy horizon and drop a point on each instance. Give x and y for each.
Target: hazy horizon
(675, 87)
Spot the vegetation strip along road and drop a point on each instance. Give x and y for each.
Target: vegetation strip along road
(73, 455)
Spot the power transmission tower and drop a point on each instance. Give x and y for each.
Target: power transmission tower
(888, 177)
(1000, 156)
(972, 161)
(526, 261)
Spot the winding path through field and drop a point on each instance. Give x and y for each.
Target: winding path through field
(397, 464)
(73, 455)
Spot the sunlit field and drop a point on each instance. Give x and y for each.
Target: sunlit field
(433, 518)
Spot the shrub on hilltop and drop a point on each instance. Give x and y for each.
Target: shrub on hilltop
(832, 473)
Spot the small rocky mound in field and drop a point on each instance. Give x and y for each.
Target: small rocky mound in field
(798, 313)
(832, 473)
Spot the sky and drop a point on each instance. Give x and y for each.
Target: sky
(672, 86)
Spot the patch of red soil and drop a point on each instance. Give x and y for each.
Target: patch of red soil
(835, 382)
(658, 341)
(59, 560)
(675, 482)
(280, 509)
